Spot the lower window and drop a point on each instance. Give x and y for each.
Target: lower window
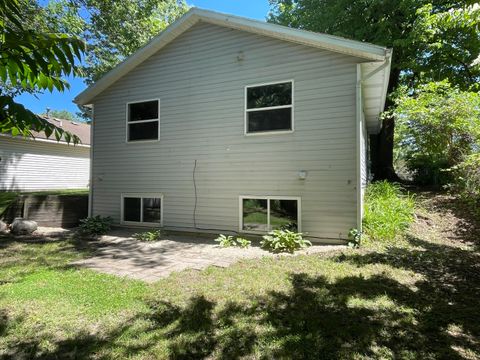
(262, 214)
(142, 208)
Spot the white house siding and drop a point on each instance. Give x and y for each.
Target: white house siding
(200, 83)
(38, 165)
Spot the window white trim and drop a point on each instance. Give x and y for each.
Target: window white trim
(246, 110)
(127, 122)
(268, 198)
(141, 196)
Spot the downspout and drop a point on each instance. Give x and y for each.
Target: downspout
(90, 192)
(358, 122)
(359, 127)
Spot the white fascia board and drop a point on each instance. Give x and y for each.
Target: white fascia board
(328, 42)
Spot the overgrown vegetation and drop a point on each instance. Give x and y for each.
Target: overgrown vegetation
(151, 235)
(388, 213)
(438, 127)
(95, 225)
(467, 182)
(284, 241)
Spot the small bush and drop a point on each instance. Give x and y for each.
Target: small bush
(388, 212)
(225, 240)
(152, 235)
(243, 243)
(284, 241)
(467, 181)
(95, 225)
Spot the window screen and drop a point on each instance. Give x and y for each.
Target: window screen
(143, 121)
(269, 108)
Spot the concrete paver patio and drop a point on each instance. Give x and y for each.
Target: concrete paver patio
(119, 254)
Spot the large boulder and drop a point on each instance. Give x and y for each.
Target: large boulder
(3, 227)
(22, 226)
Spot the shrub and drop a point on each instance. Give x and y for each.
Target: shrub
(437, 125)
(152, 235)
(388, 212)
(284, 241)
(225, 240)
(467, 181)
(243, 243)
(95, 225)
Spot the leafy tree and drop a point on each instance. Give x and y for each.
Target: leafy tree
(113, 29)
(31, 60)
(437, 127)
(63, 114)
(432, 41)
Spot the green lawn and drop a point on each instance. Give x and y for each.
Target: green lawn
(415, 300)
(7, 197)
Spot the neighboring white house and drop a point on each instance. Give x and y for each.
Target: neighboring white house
(45, 164)
(223, 123)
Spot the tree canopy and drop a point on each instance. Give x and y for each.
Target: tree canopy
(113, 29)
(32, 60)
(431, 41)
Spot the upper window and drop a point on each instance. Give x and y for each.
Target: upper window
(269, 108)
(143, 120)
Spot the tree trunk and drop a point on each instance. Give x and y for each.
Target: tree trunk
(381, 145)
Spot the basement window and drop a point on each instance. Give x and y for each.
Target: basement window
(143, 121)
(263, 214)
(142, 209)
(269, 108)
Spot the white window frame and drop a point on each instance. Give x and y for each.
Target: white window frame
(141, 196)
(127, 122)
(268, 198)
(291, 106)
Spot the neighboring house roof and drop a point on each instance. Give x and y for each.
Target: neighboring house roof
(375, 87)
(82, 130)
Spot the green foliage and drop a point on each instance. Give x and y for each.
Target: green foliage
(32, 61)
(354, 238)
(243, 243)
(284, 241)
(388, 212)
(431, 40)
(64, 114)
(114, 30)
(467, 181)
(437, 126)
(225, 240)
(152, 235)
(95, 225)
(230, 241)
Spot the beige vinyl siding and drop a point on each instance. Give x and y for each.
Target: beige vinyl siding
(200, 83)
(37, 165)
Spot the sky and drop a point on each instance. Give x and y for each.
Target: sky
(255, 9)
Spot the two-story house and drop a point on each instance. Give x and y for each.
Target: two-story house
(226, 124)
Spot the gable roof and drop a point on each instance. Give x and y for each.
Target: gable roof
(374, 60)
(364, 51)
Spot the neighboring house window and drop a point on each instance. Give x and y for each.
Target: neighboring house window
(143, 120)
(269, 108)
(262, 214)
(142, 209)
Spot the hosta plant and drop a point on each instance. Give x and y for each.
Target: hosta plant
(95, 225)
(284, 241)
(225, 240)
